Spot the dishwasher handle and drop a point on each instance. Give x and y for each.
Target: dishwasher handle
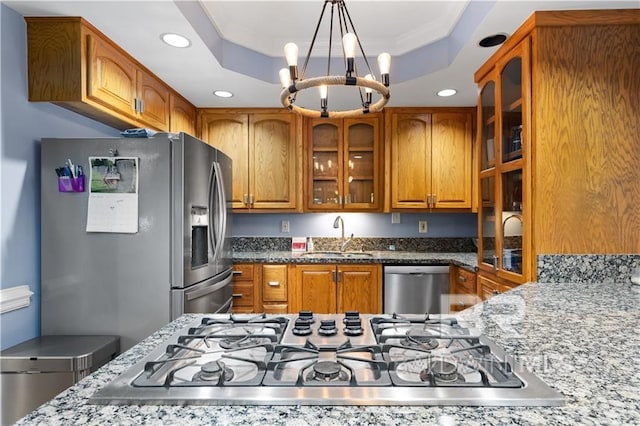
(417, 269)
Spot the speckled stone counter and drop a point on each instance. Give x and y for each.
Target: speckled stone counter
(467, 260)
(580, 338)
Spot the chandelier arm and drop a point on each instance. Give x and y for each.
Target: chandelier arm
(313, 40)
(330, 42)
(336, 81)
(353, 27)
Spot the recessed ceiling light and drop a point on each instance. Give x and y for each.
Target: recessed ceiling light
(223, 94)
(493, 40)
(447, 92)
(175, 40)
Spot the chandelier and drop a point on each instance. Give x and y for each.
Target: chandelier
(292, 83)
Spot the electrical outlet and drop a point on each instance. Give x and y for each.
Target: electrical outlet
(284, 226)
(395, 217)
(422, 226)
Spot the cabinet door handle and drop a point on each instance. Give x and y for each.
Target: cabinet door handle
(274, 283)
(251, 199)
(334, 274)
(347, 199)
(495, 262)
(434, 200)
(339, 276)
(141, 106)
(245, 199)
(461, 278)
(372, 198)
(428, 200)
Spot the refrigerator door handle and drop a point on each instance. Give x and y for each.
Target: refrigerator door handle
(194, 294)
(217, 208)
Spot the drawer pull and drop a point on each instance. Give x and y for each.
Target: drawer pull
(461, 278)
(237, 295)
(274, 283)
(461, 303)
(236, 272)
(495, 292)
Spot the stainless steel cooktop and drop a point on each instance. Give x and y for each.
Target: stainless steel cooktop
(318, 359)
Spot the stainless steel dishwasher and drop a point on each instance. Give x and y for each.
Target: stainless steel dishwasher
(416, 289)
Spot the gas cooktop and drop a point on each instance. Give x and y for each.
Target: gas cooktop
(321, 359)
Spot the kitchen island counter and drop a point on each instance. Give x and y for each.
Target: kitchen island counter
(581, 339)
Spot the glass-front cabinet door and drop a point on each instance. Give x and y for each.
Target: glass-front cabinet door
(325, 171)
(502, 182)
(343, 158)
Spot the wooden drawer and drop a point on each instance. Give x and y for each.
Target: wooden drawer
(274, 283)
(243, 294)
(242, 272)
(460, 302)
(465, 281)
(275, 308)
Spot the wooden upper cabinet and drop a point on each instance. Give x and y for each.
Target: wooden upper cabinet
(72, 64)
(112, 77)
(343, 164)
(230, 134)
(430, 159)
(264, 148)
(451, 151)
(410, 160)
(272, 168)
(153, 101)
(182, 115)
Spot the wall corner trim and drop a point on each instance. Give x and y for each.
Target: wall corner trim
(15, 298)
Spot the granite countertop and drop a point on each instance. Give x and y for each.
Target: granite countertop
(580, 338)
(467, 260)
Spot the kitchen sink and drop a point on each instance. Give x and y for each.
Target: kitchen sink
(337, 255)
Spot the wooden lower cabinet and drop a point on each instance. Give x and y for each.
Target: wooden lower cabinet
(244, 294)
(462, 289)
(490, 286)
(260, 288)
(274, 289)
(339, 288)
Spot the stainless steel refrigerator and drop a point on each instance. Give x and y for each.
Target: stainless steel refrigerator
(177, 260)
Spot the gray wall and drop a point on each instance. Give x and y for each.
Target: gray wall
(22, 126)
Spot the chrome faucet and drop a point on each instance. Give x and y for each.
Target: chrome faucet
(339, 223)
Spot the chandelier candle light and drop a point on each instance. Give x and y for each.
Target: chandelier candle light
(292, 83)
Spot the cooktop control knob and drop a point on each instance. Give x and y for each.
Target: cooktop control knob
(353, 327)
(327, 328)
(350, 316)
(301, 328)
(305, 316)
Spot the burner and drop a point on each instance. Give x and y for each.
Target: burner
(213, 371)
(327, 328)
(238, 342)
(423, 342)
(442, 371)
(301, 328)
(327, 371)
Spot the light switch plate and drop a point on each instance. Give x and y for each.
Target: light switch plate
(395, 217)
(284, 226)
(422, 226)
